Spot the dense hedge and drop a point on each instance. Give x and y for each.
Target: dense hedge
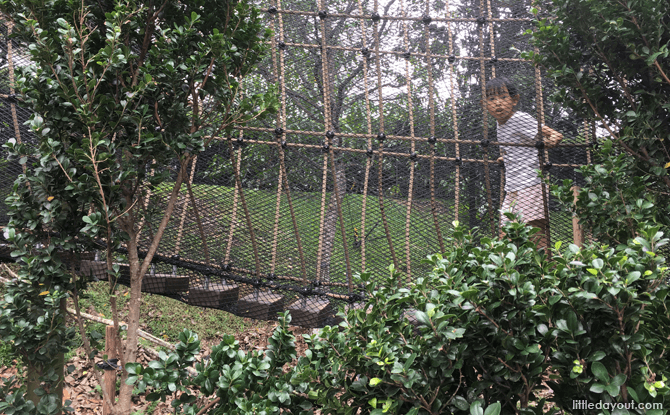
(483, 333)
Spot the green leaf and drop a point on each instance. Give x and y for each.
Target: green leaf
(476, 408)
(599, 370)
(619, 379)
(422, 317)
(373, 402)
(599, 355)
(375, 381)
(461, 403)
(597, 388)
(613, 390)
(493, 409)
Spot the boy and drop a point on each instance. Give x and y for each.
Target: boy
(522, 185)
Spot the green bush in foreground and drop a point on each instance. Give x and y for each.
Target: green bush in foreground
(477, 335)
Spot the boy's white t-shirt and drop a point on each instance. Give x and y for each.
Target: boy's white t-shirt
(520, 162)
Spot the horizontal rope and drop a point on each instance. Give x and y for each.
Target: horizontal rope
(216, 271)
(387, 137)
(398, 18)
(400, 53)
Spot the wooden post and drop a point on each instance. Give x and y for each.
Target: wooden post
(110, 374)
(577, 234)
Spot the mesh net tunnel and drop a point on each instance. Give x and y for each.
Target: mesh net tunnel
(384, 137)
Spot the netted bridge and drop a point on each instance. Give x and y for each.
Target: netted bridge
(380, 144)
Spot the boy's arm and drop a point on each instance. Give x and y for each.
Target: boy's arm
(551, 137)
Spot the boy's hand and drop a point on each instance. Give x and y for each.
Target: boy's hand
(551, 137)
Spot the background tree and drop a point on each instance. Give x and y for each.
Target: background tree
(611, 63)
(118, 90)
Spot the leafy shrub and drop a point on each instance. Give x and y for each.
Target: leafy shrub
(478, 335)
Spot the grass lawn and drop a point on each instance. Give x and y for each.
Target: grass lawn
(228, 235)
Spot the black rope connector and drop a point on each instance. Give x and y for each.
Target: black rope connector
(323, 14)
(539, 144)
(375, 17)
(451, 58)
(283, 144)
(11, 98)
(481, 20)
(257, 283)
(226, 267)
(175, 257)
(548, 166)
(325, 148)
(355, 298)
(330, 134)
(240, 140)
(413, 156)
(493, 60)
(272, 10)
(316, 283)
(365, 52)
(279, 131)
(369, 152)
(381, 136)
(281, 45)
(426, 19)
(432, 139)
(457, 161)
(484, 143)
(271, 276)
(111, 364)
(407, 55)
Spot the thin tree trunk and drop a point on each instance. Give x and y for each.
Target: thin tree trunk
(330, 221)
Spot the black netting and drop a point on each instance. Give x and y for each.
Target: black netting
(380, 144)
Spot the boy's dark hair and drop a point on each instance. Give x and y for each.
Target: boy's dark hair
(496, 86)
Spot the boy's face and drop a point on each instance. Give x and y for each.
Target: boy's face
(500, 105)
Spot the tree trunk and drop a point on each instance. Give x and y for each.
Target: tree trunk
(330, 221)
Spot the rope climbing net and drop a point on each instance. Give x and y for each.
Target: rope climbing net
(386, 134)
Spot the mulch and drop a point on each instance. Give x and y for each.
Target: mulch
(81, 386)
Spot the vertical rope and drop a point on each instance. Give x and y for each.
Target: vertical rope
(368, 161)
(341, 219)
(198, 219)
(410, 190)
(491, 36)
(485, 126)
(236, 194)
(493, 75)
(431, 107)
(282, 156)
(454, 116)
(324, 182)
(184, 209)
(542, 155)
(275, 231)
(247, 216)
(381, 143)
(327, 125)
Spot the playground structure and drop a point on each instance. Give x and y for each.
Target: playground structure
(380, 144)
